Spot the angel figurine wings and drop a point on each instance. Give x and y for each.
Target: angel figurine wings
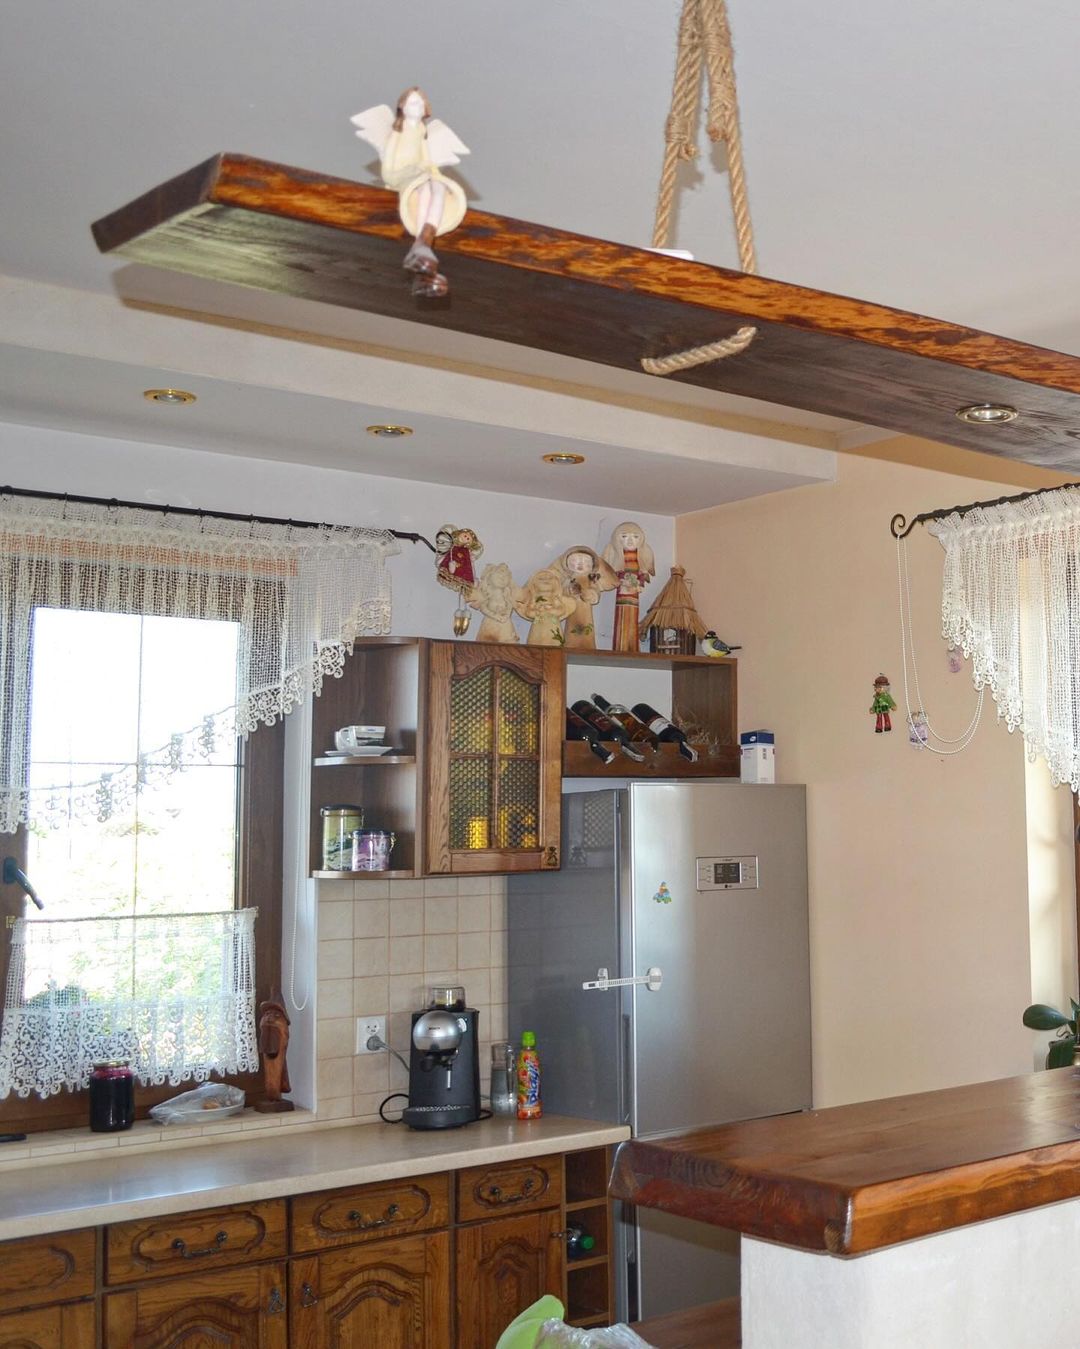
(413, 148)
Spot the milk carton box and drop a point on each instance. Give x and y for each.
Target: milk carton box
(757, 761)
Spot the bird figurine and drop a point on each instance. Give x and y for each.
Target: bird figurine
(711, 645)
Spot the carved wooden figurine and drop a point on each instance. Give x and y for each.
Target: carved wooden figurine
(273, 1044)
(632, 559)
(545, 605)
(585, 576)
(495, 595)
(413, 147)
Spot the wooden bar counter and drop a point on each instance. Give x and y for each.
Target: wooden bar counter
(908, 1184)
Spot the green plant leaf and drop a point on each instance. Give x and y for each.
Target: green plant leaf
(1041, 1017)
(1075, 1006)
(1060, 1054)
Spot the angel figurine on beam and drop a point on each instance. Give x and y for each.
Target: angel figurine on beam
(413, 148)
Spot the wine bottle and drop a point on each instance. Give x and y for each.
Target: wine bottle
(578, 729)
(665, 730)
(635, 728)
(606, 729)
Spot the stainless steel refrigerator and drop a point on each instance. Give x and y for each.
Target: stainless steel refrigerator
(700, 889)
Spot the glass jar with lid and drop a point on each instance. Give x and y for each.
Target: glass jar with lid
(338, 825)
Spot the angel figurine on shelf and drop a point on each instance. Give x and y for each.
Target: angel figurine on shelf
(456, 550)
(495, 595)
(585, 577)
(543, 602)
(632, 560)
(413, 148)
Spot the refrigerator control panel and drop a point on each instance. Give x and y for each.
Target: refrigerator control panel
(727, 873)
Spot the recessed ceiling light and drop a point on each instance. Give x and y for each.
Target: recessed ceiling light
(987, 414)
(389, 430)
(176, 397)
(563, 457)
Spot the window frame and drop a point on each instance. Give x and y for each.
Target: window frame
(259, 877)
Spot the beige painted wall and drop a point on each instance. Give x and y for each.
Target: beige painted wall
(920, 954)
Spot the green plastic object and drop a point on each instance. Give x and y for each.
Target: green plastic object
(522, 1331)
(528, 1039)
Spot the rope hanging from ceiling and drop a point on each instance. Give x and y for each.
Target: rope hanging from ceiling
(704, 40)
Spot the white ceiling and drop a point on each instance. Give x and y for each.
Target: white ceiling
(921, 157)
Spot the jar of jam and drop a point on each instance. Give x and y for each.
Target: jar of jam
(112, 1097)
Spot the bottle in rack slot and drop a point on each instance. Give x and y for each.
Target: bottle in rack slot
(578, 729)
(635, 728)
(664, 729)
(606, 729)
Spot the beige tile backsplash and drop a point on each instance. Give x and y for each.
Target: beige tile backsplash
(378, 952)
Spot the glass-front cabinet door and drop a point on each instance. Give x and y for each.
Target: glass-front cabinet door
(494, 757)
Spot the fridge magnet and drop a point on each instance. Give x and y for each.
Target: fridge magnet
(663, 895)
(632, 560)
(585, 577)
(672, 624)
(711, 645)
(495, 595)
(544, 603)
(918, 731)
(413, 149)
(883, 703)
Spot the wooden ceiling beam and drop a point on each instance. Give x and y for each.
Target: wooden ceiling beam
(267, 226)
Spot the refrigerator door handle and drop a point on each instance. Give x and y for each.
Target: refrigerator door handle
(651, 980)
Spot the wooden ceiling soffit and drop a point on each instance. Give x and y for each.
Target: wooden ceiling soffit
(264, 225)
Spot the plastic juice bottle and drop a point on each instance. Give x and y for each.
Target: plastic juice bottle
(528, 1078)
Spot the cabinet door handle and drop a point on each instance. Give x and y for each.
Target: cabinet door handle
(181, 1247)
(494, 1195)
(276, 1303)
(362, 1224)
(308, 1296)
(551, 857)
(561, 1236)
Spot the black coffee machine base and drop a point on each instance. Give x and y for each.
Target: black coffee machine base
(438, 1116)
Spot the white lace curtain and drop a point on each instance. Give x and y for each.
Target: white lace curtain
(300, 596)
(172, 994)
(1011, 601)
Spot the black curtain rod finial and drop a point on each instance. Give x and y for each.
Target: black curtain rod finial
(898, 522)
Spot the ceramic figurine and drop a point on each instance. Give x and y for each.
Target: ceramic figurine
(413, 148)
(456, 551)
(711, 645)
(882, 705)
(495, 595)
(545, 605)
(632, 560)
(585, 576)
(273, 1044)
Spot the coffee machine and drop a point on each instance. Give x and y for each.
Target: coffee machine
(444, 1063)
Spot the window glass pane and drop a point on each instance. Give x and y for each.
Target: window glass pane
(122, 830)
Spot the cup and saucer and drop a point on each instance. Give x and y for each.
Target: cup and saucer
(357, 742)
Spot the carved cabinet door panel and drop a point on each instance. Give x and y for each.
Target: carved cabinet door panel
(494, 757)
(66, 1327)
(502, 1267)
(384, 1294)
(236, 1309)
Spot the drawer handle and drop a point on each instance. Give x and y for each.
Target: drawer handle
(494, 1194)
(276, 1303)
(363, 1224)
(308, 1296)
(180, 1246)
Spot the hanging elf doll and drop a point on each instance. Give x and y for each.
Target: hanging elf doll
(882, 705)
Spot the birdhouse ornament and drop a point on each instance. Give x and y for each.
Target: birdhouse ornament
(672, 624)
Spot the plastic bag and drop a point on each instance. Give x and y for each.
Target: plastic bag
(558, 1335)
(211, 1101)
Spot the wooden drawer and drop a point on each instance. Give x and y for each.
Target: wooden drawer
(194, 1242)
(509, 1187)
(34, 1270)
(68, 1327)
(341, 1217)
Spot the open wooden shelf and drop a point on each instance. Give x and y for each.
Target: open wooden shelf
(362, 875)
(363, 760)
(255, 223)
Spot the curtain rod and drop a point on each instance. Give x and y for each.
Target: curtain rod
(900, 528)
(194, 510)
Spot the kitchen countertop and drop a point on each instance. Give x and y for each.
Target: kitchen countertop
(115, 1188)
(856, 1178)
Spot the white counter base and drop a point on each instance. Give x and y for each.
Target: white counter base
(1002, 1284)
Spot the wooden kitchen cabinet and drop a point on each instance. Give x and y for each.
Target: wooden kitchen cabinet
(243, 1308)
(192, 1242)
(39, 1270)
(502, 1266)
(70, 1326)
(495, 721)
(390, 1294)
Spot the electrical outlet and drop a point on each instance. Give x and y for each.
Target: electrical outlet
(366, 1027)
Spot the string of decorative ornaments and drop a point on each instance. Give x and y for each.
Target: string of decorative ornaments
(921, 731)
